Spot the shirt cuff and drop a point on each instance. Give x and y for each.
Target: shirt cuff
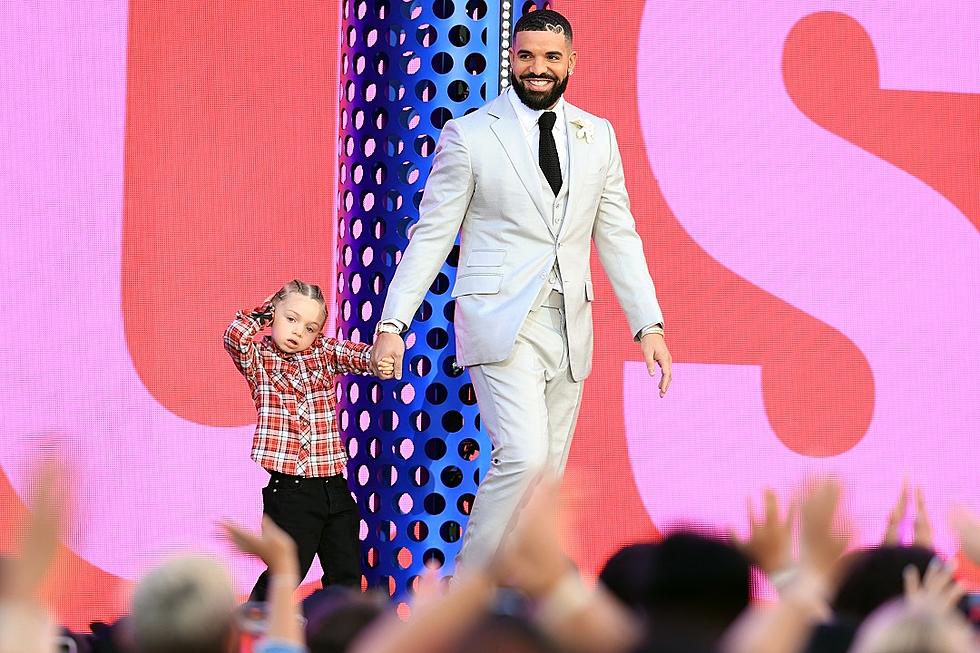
(398, 324)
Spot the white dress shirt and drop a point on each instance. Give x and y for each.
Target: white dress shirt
(528, 118)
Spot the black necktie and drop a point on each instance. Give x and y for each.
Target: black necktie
(548, 152)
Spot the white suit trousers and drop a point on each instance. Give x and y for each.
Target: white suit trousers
(528, 405)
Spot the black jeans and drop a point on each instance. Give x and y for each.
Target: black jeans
(321, 517)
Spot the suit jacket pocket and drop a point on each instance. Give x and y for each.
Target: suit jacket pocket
(485, 258)
(477, 284)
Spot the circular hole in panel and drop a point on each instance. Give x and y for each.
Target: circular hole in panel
(452, 421)
(475, 63)
(450, 531)
(393, 202)
(476, 421)
(476, 475)
(440, 284)
(410, 62)
(435, 448)
(352, 447)
(450, 368)
(442, 62)
(404, 503)
(387, 475)
(359, 117)
(476, 9)
(395, 36)
(363, 475)
(388, 420)
(345, 423)
(372, 38)
(370, 92)
(440, 116)
(366, 309)
(382, 8)
(425, 90)
(436, 393)
(483, 35)
(367, 252)
(378, 227)
(369, 146)
(420, 421)
(449, 312)
(465, 503)
(380, 118)
(406, 394)
(403, 558)
(386, 530)
(418, 530)
(408, 172)
(364, 422)
(357, 175)
(378, 283)
(469, 449)
(395, 90)
(362, 530)
(354, 392)
(351, 36)
(437, 338)
(459, 35)
(393, 144)
(381, 63)
(434, 503)
(458, 90)
(451, 476)
(411, 9)
(371, 557)
(424, 312)
(426, 35)
(483, 93)
(409, 119)
(417, 198)
(374, 444)
(434, 556)
(420, 365)
(443, 8)
(372, 502)
(453, 259)
(403, 448)
(360, 63)
(425, 145)
(420, 476)
(379, 171)
(361, 9)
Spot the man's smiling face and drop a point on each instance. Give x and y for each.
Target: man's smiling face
(540, 63)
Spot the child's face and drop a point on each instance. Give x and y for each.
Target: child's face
(297, 322)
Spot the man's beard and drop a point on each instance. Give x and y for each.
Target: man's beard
(539, 100)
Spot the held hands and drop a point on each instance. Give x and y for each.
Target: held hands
(387, 355)
(655, 353)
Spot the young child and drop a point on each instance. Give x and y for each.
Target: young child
(291, 375)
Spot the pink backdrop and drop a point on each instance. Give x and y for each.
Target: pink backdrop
(806, 177)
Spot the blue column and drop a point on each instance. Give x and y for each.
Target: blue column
(417, 453)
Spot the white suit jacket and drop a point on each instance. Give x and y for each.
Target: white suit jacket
(485, 185)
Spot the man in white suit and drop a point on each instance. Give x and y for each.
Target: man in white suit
(529, 182)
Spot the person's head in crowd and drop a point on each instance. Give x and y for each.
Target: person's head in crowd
(627, 574)
(505, 632)
(698, 586)
(872, 577)
(186, 605)
(898, 627)
(337, 615)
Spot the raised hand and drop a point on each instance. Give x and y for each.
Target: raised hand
(822, 542)
(770, 538)
(272, 545)
(937, 590)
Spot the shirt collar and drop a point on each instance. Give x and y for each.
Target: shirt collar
(528, 117)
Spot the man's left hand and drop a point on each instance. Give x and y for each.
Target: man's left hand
(655, 354)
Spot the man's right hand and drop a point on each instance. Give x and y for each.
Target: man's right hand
(389, 344)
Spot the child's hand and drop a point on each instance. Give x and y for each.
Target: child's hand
(386, 367)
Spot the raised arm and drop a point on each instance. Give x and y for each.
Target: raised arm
(240, 335)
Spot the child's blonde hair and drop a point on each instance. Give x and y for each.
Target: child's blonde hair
(306, 289)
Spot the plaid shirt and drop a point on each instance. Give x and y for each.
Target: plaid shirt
(294, 395)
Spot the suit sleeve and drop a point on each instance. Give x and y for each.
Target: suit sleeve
(447, 196)
(620, 248)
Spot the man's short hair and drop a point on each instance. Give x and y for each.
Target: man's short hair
(545, 20)
(186, 605)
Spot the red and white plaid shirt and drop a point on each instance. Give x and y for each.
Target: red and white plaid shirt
(296, 432)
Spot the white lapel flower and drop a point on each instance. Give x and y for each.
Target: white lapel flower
(584, 129)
